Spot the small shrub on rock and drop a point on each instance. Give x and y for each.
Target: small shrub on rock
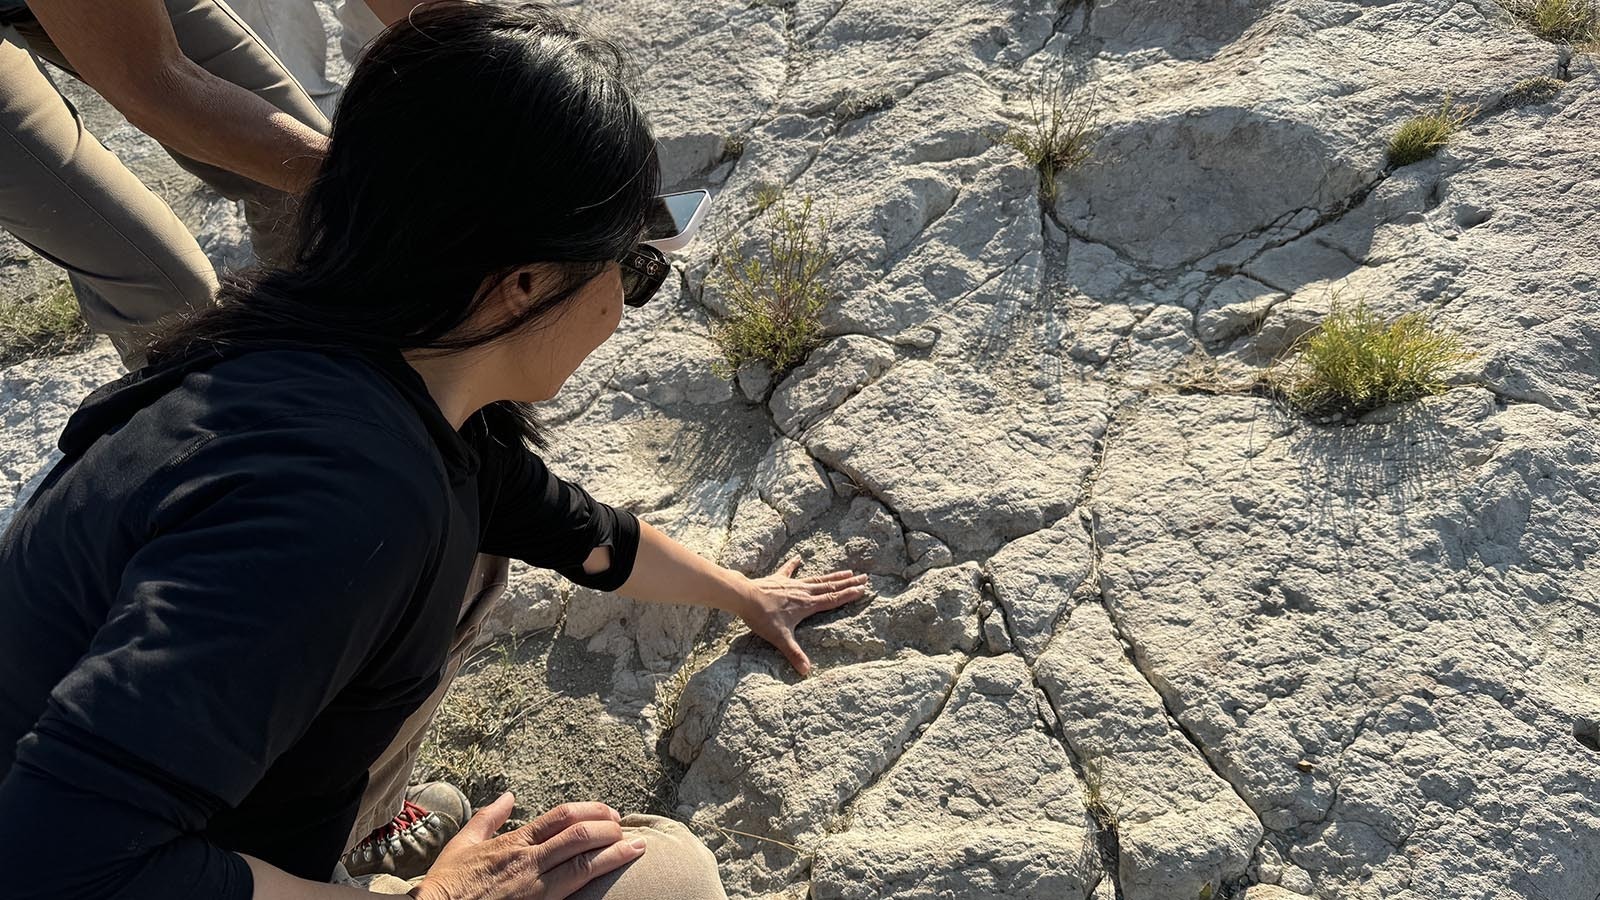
(765, 196)
(775, 297)
(1562, 21)
(1532, 92)
(1421, 137)
(1355, 362)
(1060, 133)
(43, 324)
(861, 103)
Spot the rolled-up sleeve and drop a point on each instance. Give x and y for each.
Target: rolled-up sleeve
(531, 514)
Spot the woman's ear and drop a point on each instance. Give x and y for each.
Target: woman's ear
(512, 295)
(526, 283)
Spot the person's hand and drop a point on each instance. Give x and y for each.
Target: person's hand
(546, 859)
(775, 604)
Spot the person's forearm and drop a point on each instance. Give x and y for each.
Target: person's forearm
(128, 52)
(665, 571)
(272, 883)
(215, 121)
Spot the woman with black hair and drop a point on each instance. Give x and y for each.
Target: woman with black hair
(226, 614)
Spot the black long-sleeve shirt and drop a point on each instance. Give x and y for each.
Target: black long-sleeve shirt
(219, 607)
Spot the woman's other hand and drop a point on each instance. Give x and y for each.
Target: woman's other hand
(547, 859)
(775, 604)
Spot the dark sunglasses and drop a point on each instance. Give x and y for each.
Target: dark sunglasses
(644, 268)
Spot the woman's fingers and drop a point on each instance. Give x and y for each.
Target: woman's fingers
(835, 584)
(578, 871)
(788, 569)
(576, 840)
(564, 817)
(487, 821)
(791, 651)
(841, 575)
(834, 600)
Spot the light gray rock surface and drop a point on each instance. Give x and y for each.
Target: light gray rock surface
(832, 374)
(1180, 827)
(1125, 641)
(1364, 629)
(36, 399)
(959, 456)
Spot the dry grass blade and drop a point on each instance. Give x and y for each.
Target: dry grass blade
(465, 743)
(1356, 361)
(1421, 137)
(1059, 136)
(776, 296)
(44, 324)
(1563, 21)
(745, 834)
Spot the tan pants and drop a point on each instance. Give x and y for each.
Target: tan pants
(675, 864)
(130, 260)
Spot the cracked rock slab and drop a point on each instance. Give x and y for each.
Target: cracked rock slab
(1232, 308)
(858, 533)
(792, 483)
(712, 66)
(781, 759)
(989, 757)
(1180, 827)
(989, 862)
(1173, 187)
(941, 213)
(1377, 635)
(937, 613)
(960, 458)
(1036, 578)
(831, 375)
(983, 804)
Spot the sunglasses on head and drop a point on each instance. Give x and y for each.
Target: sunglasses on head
(644, 268)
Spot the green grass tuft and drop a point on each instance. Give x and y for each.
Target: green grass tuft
(776, 297)
(1062, 128)
(1355, 362)
(42, 324)
(1562, 21)
(1421, 137)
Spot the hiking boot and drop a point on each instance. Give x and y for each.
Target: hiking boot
(408, 845)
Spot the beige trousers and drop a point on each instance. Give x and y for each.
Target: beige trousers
(675, 864)
(130, 260)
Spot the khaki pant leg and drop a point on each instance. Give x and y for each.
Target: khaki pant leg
(358, 26)
(293, 30)
(390, 775)
(675, 864)
(73, 202)
(214, 37)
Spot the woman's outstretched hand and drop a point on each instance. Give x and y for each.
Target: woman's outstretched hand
(780, 601)
(546, 859)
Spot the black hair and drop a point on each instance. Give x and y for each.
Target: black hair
(473, 139)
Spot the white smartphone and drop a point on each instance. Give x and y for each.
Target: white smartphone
(674, 218)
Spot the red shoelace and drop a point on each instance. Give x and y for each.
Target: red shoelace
(410, 814)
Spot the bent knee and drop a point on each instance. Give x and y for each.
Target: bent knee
(675, 864)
